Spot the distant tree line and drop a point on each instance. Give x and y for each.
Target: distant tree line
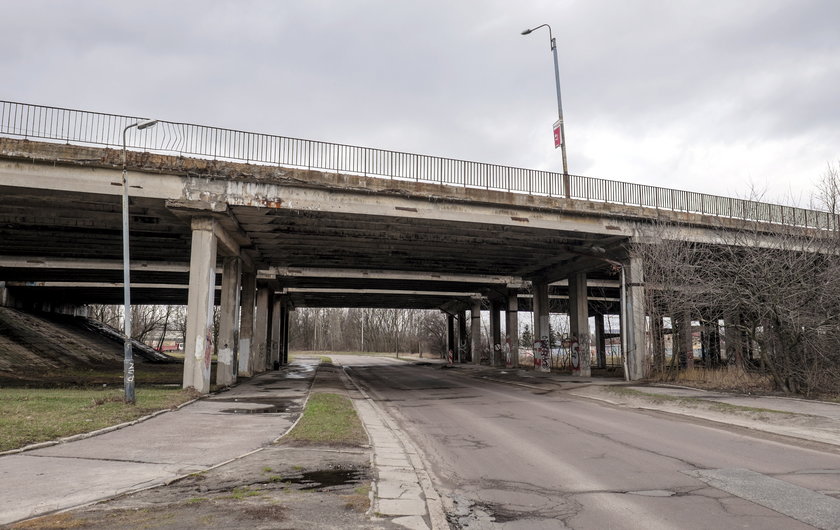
(368, 330)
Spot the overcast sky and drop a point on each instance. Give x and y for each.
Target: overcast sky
(717, 96)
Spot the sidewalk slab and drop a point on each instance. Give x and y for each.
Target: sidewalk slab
(191, 439)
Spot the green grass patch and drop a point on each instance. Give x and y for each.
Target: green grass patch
(326, 360)
(32, 415)
(328, 419)
(244, 492)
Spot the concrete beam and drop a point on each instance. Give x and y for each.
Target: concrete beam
(326, 290)
(199, 346)
(312, 272)
(102, 285)
(41, 262)
(228, 359)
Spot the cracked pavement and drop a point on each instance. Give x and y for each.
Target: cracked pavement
(537, 456)
(188, 440)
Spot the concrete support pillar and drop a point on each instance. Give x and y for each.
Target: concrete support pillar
(228, 362)
(657, 338)
(461, 354)
(634, 312)
(512, 331)
(5, 296)
(284, 343)
(200, 300)
(276, 333)
(710, 340)
(451, 340)
(247, 324)
(734, 340)
(475, 331)
(684, 345)
(262, 330)
(579, 325)
(287, 335)
(600, 341)
(542, 331)
(541, 312)
(496, 333)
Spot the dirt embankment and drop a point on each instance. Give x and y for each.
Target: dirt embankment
(34, 344)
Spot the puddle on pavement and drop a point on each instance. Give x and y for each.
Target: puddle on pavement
(327, 478)
(273, 406)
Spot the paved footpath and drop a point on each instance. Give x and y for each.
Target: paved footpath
(194, 438)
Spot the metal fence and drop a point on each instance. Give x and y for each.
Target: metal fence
(93, 128)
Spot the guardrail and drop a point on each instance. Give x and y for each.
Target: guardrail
(94, 128)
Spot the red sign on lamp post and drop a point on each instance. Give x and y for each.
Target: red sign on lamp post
(558, 135)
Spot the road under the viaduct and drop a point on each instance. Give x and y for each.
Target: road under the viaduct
(509, 456)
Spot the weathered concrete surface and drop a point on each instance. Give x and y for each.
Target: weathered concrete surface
(404, 489)
(198, 347)
(529, 454)
(228, 363)
(191, 439)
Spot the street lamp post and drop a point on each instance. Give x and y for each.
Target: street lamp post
(562, 131)
(128, 362)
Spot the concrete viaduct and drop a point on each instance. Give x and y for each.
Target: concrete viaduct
(262, 224)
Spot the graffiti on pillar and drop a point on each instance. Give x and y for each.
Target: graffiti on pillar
(542, 355)
(506, 350)
(497, 354)
(208, 349)
(574, 349)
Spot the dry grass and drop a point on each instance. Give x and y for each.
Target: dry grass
(727, 378)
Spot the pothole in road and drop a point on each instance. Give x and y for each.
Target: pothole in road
(505, 506)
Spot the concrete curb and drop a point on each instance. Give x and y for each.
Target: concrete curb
(751, 426)
(433, 502)
(735, 394)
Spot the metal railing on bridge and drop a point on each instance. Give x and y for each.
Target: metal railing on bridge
(94, 128)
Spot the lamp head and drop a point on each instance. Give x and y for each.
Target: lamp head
(146, 124)
(527, 31)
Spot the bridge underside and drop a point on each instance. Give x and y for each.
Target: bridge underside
(261, 241)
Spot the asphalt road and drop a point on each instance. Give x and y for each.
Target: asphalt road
(505, 456)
